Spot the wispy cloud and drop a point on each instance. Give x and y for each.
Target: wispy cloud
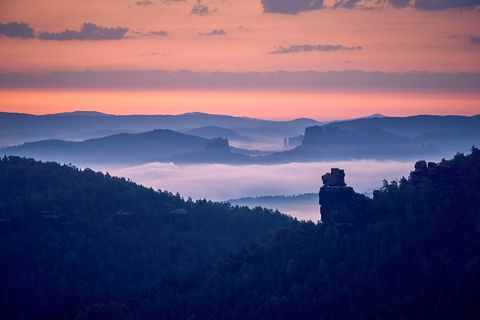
(201, 9)
(297, 6)
(334, 80)
(433, 5)
(161, 33)
(399, 4)
(89, 31)
(475, 40)
(313, 47)
(144, 3)
(347, 4)
(214, 32)
(154, 53)
(291, 6)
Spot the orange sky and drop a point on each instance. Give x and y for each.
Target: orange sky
(263, 104)
(392, 40)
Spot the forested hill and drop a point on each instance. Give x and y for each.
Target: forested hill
(70, 238)
(418, 257)
(127, 148)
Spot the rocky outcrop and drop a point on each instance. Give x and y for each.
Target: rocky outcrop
(343, 208)
(330, 142)
(435, 172)
(293, 141)
(340, 205)
(217, 145)
(336, 178)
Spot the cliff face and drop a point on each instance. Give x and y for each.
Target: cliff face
(336, 143)
(340, 205)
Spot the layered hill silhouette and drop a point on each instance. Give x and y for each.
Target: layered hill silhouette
(129, 148)
(380, 137)
(302, 206)
(319, 143)
(450, 133)
(335, 143)
(17, 128)
(149, 146)
(211, 132)
(216, 150)
(383, 138)
(272, 201)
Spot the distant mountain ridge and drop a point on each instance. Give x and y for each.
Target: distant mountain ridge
(159, 145)
(82, 113)
(215, 131)
(335, 143)
(120, 148)
(302, 206)
(275, 199)
(374, 137)
(409, 126)
(16, 128)
(450, 133)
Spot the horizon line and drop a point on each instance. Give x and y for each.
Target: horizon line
(96, 113)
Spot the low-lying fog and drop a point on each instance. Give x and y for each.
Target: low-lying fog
(222, 182)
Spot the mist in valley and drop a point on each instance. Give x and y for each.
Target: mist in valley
(221, 182)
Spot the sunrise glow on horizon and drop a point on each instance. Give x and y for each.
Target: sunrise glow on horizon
(219, 51)
(265, 105)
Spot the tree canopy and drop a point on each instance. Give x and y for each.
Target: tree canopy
(417, 257)
(71, 237)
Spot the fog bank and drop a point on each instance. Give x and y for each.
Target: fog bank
(222, 182)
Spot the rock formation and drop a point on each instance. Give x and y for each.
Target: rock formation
(340, 205)
(217, 145)
(336, 178)
(293, 141)
(437, 173)
(343, 208)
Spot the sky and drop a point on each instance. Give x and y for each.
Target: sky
(276, 59)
